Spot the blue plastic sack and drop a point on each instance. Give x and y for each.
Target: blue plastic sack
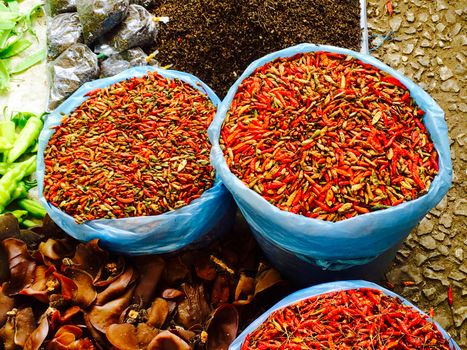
(355, 241)
(329, 288)
(203, 220)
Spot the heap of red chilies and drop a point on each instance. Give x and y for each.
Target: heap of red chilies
(136, 148)
(345, 320)
(327, 136)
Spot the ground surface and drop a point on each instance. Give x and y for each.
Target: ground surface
(429, 45)
(217, 39)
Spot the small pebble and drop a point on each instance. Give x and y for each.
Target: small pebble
(445, 73)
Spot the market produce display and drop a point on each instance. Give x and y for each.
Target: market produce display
(18, 148)
(327, 136)
(58, 293)
(136, 148)
(349, 319)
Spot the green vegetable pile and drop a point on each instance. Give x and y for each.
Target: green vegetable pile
(18, 148)
(14, 28)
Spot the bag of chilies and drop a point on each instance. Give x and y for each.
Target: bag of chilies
(344, 315)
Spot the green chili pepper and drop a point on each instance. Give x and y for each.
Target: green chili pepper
(7, 130)
(29, 223)
(19, 214)
(11, 180)
(26, 138)
(35, 209)
(5, 145)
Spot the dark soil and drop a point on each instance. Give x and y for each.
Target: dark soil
(217, 39)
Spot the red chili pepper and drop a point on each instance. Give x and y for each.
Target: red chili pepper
(389, 7)
(450, 297)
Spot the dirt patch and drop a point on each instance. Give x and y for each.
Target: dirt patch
(217, 39)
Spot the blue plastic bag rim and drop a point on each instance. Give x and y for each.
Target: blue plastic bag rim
(444, 159)
(329, 288)
(136, 72)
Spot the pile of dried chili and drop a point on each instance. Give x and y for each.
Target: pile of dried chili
(136, 148)
(351, 319)
(327, 136)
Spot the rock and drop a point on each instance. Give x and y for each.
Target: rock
(457, 275)
(425, 43)
(423, 17)
(435, 212)
(437, 267)
(393, 60)
(427, 35)
(429, 292)
(420, 259)
(435, 18)
(443, 203)
(410, 30)
(461, 207)
(445, 73)
(424, 61)
(419, 52)
(452, 107)
(459, 12)
(450, 86)
(408, 48)
(428, 242)
(377, 42)
(441, 5)
(440, 27)
(460, 315)
(450, 16)
(443, 249)
(446, 220)
(456, 29)
(425, 227)
(459, 254)
(463, 109)
(395, 23)
(439, 236)
(463, 268)
(410, 16)
(443, 318)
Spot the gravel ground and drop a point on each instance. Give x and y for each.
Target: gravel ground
(428, 45)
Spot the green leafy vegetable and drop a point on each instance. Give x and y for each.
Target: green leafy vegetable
(28, 62)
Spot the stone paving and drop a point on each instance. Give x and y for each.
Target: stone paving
(429, 45)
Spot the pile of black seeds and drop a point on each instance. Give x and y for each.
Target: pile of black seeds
(217, 39)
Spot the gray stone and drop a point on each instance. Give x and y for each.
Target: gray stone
(410, 16)
(428, 242)
(425, 227)
(459, 12)
(427, 35)
(429, 273)
(450, 16)
(430, 293)
(435, 18)
(425, 43)
(439, 236)
(460, 315)
(423, 17)
(445, 73)
(443, 203)
(393, 59)
(441, 5)
(435, 212)
(456, 29)
(463, 108)
(443, 249)
(410, 30)
(378, 41)
(463, 268)
(452, 107)
(419, 52)
(446, 220)
(408, 48)
(461, 207)
(443, 318)
(424, 61)
(440, 27)
(395, 23)
(457, 275)
(450, 85)
(459, 254)
(437, 267)
(420, 259)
